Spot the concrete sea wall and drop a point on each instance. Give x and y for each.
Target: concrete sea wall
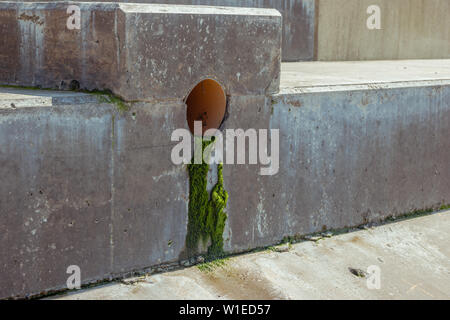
(86, 185)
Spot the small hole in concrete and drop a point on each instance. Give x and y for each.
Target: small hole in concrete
(74, 85)
(207, 103)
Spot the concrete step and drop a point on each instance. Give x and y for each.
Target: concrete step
(89, 184)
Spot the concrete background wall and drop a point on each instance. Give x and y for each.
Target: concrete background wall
(298, 21)
(410, 29)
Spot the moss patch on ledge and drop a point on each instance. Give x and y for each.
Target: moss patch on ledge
(103, 96)
(109, 97)
(206, 216)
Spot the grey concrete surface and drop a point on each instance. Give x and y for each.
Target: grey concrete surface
(412, 255)
(409, 29)
(298, 21)
(348, 153)
(85, 184)
(18, 98)
(55, 195)
(79, 180)
(326, 74)
(140, 52)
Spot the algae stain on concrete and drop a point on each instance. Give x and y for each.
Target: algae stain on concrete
(206, 216)
(107, 97)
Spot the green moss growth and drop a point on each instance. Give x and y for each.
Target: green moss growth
(206, 216)
(24, 87)
(216, 217)
(210, 266)
(105, 96)
(109, 97)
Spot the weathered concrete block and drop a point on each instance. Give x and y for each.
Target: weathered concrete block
(55, 208)
(141, 52)
(150, 192)
(86, 185)
(297, 28)
(347, 157)
(298, 21)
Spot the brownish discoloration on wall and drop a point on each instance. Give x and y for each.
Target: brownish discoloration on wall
(33, 18)
(9, 45)
(52, 53)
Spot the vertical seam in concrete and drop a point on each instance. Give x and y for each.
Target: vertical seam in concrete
(316, 30)
(111, 225)
(116, 34)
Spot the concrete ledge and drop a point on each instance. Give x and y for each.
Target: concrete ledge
(141, 52)
(12, 98)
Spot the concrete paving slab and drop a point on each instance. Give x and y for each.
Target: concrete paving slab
(412, 256)
(342, 73)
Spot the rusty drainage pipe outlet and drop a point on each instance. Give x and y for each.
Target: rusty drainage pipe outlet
(207, 103)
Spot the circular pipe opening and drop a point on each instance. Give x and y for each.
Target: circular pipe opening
(206, 103)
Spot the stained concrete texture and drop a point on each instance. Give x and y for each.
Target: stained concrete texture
(409, 29)
(412, 257)
(349, 153)
(140, 52)
(83, 182)
(298, 21)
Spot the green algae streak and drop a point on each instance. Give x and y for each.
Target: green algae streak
(206, 216)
